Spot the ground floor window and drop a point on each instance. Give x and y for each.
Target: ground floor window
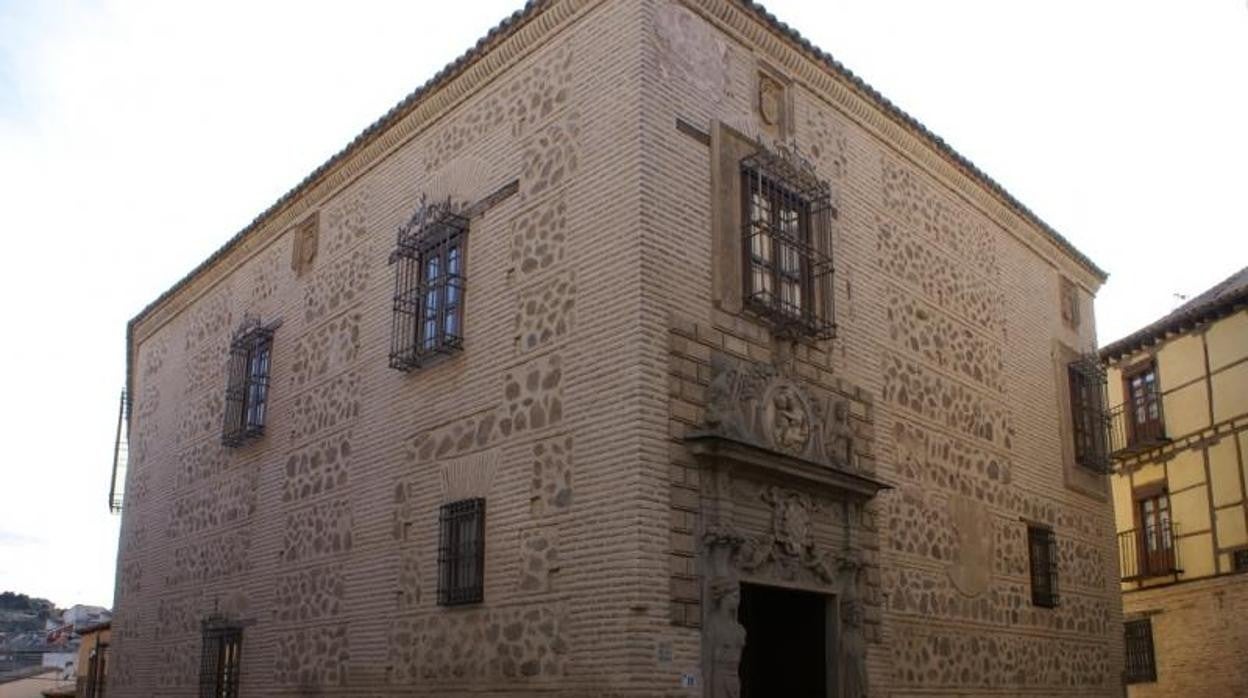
(1141, 664)
(220, 662)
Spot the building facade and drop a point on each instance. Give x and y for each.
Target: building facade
(641, 328)
(1180, 442)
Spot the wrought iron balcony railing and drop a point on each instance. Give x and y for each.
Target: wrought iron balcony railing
(1137, 424)
(1151, 551)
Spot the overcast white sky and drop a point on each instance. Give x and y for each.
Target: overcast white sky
(136, 137)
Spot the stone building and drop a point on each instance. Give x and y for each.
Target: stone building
(645, 350)
(1180, 445)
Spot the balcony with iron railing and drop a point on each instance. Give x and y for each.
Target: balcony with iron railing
(1149, 551)
(1137, 425)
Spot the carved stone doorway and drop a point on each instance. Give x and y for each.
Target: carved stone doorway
(788, 646)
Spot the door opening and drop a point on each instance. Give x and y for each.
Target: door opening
(786, 640)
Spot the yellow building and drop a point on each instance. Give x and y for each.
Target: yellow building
(1179, 439)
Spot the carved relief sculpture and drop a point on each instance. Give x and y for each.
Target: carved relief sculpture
(756, 404)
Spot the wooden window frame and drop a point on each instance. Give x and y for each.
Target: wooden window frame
(1161, 560)
(461, 552)
(1042, 564)
(1152, 429)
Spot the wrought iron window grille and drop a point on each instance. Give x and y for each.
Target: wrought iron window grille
(461, 552)
(787, 269)
(429, 285)
(247, 390)
(1042, 549)
(1141, 662)
(220, 660)
(1090, 420)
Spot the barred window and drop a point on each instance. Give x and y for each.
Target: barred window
(220, 661)
(1089, 418)
(786, 244)
(461, 552)
(1042, 549)
(428, 286)
(1141, 663)
(247, 393)
(1239, 560)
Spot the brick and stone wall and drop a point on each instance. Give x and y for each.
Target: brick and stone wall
(1199, 637)
(320, 538)
(592, 333)
(949, 312)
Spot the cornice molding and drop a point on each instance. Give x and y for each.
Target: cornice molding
(368, 149)
(841, 92)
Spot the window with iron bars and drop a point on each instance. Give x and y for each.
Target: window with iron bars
(220, 661)
(247, 392)
(461, 552)
(428, 286)
(1042, 550)
(1089, 417)
(787, 245)
(1141, 662)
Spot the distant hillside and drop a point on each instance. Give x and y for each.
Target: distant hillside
(19, 612)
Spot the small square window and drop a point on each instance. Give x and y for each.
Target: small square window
(1042, 550)
(247, 393)
(220, 662)
(1141, 663)
(1239, 560)
(461, 552)
(429, 286)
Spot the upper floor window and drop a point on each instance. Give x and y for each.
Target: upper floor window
(786, 244)
(1156, 534)
(429, 286)
(1141, 664)
(220, 661)
(1143, 404)
(247, 392)
(461, 552)
(1042, 551)
(1089, 419)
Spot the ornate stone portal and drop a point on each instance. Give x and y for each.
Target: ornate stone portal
(774, 448)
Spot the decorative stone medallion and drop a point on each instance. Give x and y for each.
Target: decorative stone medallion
(788, 418)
